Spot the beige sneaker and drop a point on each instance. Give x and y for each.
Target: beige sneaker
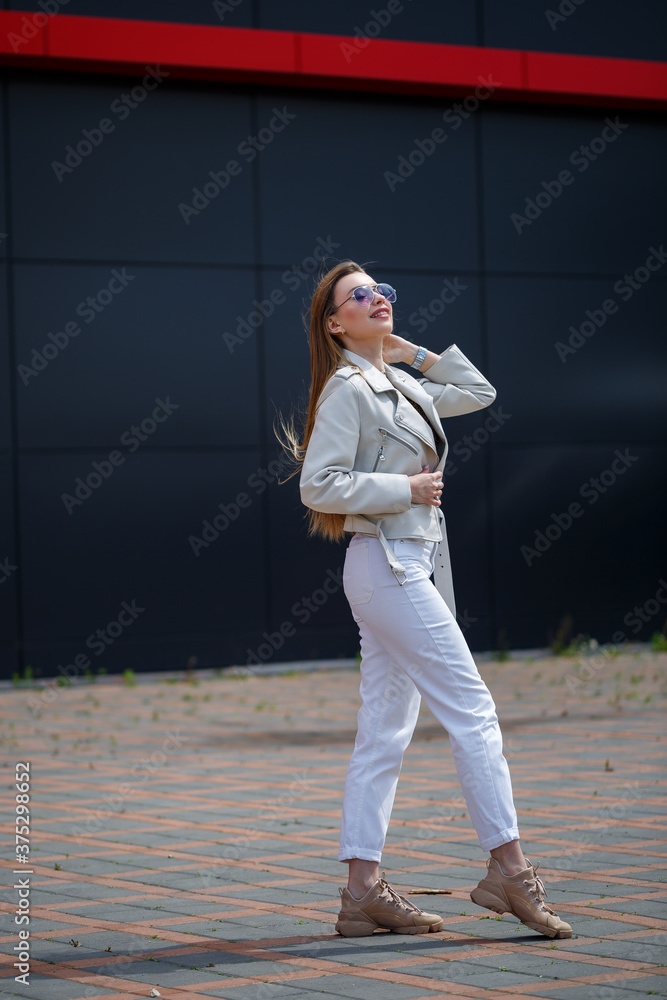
(383, 907)
(521, 894)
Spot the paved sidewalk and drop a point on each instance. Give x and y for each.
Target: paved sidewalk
(184, 838)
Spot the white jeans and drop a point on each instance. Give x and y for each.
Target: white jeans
(411, 646)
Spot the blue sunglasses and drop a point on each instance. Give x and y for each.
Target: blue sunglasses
(364, 294)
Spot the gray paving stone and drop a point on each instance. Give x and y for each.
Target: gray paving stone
(235, 966)
(246, 851)
(147, 839)
(92, 866)
(47, 849)
(323, 865)
(506, 928)
(655, 874)
(590, 884)
(641, 987)
(590, 862)
(61, 891)
(533, 966)
(187, 881)
(295, 896)
(598, 927)
(232, 931)
(345, 986)
(469, 974)
(47, 988)
(167, 975)
(57, 923)
(651, 949)
(641, 907)
(64, 825)
(269, 991)
(119, 942)
(52, 950)
(164, 906)
(611, 990)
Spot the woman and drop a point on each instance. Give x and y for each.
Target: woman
(371, 460)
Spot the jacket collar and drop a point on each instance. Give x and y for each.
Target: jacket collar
(394, 379)
(375, 378)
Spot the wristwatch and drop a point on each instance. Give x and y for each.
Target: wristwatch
(419, 358)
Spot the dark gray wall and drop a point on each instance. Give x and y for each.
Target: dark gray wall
(320, 181)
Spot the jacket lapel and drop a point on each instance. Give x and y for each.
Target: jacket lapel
(393, 380)
(415, 392)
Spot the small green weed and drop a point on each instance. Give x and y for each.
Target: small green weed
(659, 642)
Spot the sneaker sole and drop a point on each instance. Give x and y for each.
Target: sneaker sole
(489, 901)
(359, 929)
(492, 902)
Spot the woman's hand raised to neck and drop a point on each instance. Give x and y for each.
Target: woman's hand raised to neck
(391, 350)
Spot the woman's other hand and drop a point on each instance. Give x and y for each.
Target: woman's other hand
(426, 487)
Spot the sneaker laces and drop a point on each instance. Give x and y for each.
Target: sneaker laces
(535, 887)
(390, 894)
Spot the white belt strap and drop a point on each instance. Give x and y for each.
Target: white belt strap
(442, 575)
(396, 566)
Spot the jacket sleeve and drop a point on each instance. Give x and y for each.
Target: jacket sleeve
(328, 481)
(456, 385)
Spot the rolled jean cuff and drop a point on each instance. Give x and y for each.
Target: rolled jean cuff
(498, 839)
(348, 854)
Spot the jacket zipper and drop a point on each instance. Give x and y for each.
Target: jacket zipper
(385, 433)
(378, 458)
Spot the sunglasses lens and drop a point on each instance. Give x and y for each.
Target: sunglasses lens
(363, 295)
(388, 292)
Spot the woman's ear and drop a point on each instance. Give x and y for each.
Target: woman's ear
(334, 327)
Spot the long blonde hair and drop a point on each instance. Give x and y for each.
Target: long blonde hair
(326, 353)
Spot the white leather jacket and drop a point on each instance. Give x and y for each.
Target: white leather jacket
(368, 438)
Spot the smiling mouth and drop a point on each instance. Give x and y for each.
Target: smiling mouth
(380, 312)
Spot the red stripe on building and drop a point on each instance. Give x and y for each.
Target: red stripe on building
(69, 43)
